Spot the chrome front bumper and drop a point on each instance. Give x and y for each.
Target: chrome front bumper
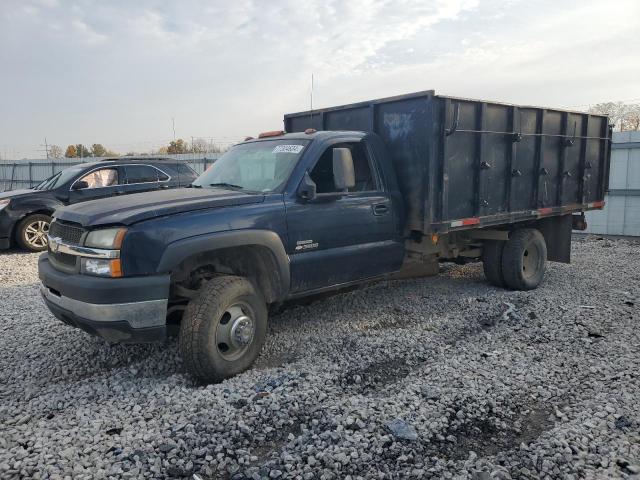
(144, 314)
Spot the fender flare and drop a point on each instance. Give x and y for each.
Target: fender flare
(180, 250)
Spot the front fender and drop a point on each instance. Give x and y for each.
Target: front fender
(180, 250)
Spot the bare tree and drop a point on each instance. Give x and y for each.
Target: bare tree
(201, 145)
(55, 151)
(623, 116)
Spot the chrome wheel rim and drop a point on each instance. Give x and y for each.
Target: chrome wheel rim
(35, 234)
(235, 331)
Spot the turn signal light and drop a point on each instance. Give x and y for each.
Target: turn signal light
(116, 268)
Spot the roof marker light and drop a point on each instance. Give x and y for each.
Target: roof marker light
(273, 133)
(309, 131)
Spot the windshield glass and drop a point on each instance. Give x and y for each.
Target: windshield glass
(59, 178)
(257, 166)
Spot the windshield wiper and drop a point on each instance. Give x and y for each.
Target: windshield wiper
(228, 185)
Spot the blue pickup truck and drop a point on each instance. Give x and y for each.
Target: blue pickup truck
(351, 194)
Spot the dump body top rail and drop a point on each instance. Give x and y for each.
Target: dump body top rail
(464, 163)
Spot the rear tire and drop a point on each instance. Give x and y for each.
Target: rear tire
(492, 262)
(223, 329)
(523, 259)
(32, 230)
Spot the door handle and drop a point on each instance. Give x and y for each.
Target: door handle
(380, 209)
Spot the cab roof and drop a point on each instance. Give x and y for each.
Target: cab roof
(319, 134)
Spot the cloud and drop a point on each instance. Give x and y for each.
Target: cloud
(116, 72)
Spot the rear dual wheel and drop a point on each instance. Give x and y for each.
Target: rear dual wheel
(518, 263)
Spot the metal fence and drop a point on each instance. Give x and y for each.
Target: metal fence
(621, 215)
(20, 174)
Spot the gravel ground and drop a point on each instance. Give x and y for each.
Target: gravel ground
(443, 377)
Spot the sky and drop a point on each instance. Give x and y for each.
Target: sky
(123, 73)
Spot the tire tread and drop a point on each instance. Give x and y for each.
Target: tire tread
(194, 328)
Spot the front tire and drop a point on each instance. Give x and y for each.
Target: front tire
(523, 259)
(32, 231)
(223, 329)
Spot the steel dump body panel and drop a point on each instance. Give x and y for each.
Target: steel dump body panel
(460, 159)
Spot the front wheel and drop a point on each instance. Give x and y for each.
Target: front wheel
(32, 231)
(223, 329)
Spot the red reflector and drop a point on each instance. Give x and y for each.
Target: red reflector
(545, 211)
(470, 221)
(273, 133)
(599, 204)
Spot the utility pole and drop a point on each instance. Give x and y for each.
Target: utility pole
(173, 124)
(311, 106)
(46, 148)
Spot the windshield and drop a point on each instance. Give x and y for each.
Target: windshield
(257, 166)
(59, 178)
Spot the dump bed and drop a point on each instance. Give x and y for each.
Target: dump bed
(464, 163)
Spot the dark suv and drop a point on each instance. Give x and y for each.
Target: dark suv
(25, 215)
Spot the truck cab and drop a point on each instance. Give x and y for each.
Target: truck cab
(278, 217)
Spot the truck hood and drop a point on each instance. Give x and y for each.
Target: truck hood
(15, 193)
(132, 208)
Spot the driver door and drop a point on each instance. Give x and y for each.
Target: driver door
(349, 238)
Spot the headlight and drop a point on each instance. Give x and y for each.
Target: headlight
(101, 267)
(106, 238)
(4, 203)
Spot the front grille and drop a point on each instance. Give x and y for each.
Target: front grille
(67, 232)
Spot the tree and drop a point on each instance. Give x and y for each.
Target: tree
(177, 146)
(97, 150)
(82, 151)
(200, 145)
(55, 151)
(623, 116)
(71, 152)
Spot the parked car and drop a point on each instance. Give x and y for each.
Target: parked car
(25, 215)
(399, 185)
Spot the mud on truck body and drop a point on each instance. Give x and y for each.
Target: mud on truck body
(351, 194)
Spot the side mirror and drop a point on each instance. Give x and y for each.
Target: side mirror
(307, 188)
(344, 176)
(80, 185)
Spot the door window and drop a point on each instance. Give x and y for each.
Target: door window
(141, 174)
(104, 177)
(322, 173)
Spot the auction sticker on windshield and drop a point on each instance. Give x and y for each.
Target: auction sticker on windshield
(288, 149)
